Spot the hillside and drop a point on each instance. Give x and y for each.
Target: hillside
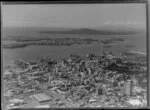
(92, 31)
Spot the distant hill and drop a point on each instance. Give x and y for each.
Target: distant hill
(92, 31)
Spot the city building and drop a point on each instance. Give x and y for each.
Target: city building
(111, 82)
(109, 74)
(134, 102)
(42, 106)
(41, 97)
(64, 63)
(128, 88)
(7, 75)
(115, 84)
(100, 91)
(145, 96)
(92, 100)
(17, 101)
(109, 55)
(89, 70)
(120, 77)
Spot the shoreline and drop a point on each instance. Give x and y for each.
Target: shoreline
(49, 42)
(24, 42)
(124, 54)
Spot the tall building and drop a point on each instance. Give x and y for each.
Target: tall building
(128, 87)
(115, 83)
(56, 70)
(100, 91)
(49, 79)
(145, 96)
(89, 70)
(64, 63)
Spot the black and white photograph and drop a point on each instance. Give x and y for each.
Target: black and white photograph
(74, 55)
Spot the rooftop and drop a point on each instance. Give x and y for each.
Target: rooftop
(41, 97)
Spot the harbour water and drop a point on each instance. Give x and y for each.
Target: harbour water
(137, 42)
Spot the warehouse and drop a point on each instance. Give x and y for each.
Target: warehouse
(41, 97)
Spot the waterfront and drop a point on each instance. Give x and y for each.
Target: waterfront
(32, 52)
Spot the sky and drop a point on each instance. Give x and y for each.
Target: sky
(74, 15)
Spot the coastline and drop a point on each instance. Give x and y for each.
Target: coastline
(50, 42)
(24, 42)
